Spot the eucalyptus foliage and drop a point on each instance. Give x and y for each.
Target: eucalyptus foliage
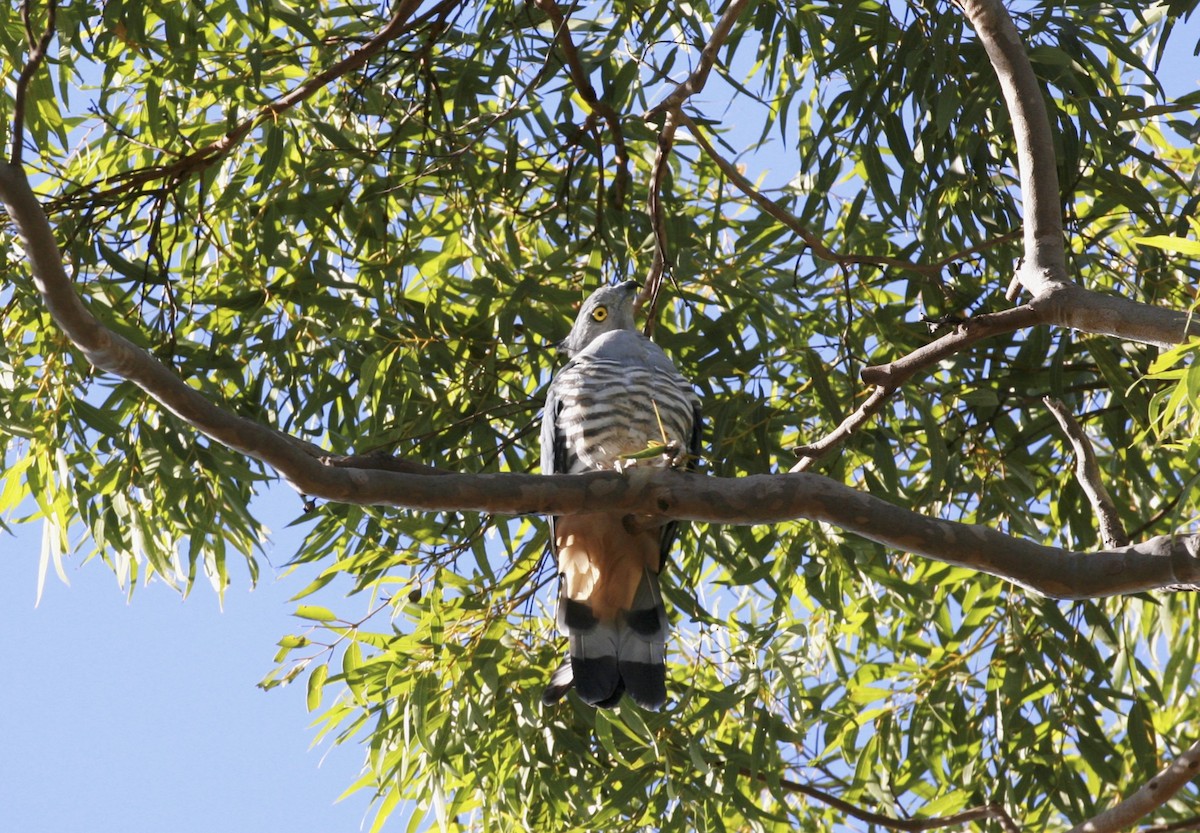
(386, 264)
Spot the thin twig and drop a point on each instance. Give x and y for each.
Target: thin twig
(1192, 823)
(1087, 472)
(1167, 509)
(815, 244)
(583, 84)
(812, 452)
(37, 53)
(987, 811)
(670, 107)
(658, 219)
(888, 378)
(213, 152)
(708, 56)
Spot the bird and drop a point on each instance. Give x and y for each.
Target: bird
(618, 402)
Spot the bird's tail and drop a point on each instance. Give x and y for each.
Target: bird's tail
(613, 655)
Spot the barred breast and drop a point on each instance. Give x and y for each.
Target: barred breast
(610, 410)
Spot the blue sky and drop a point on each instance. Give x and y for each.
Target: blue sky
(145, 716)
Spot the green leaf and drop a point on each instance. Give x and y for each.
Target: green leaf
(1180, 245)
(316, 686)
(315, 612)
(981, 398)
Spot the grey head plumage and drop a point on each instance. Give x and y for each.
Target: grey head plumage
(608, 309)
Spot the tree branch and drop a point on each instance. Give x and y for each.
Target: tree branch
(888, 378)
(1152, 795)
(1068, 306)
(213, 152)
(1192, 823)
(1072, 306)
(708, 56)
(1087, 472)
(915, 825)
(812, 452)
(583, 84)
(1161, 562)
(658, 220)
(1043, 271)
(815, 244)
(1056, 299)
(111, 352)
(1045, 264)
(37, 54)
(671, 108)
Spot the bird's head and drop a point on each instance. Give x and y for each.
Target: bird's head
(608, 308)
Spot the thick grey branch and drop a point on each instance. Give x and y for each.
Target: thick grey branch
(1057, 300)
(1044, 269)
(109, 351)
(1165, 561)
(1070, 305)
(1045, 257)
(1152, 795)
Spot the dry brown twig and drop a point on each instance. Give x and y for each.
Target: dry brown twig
(992, 811)
(814, 243)
(811, 453)
(37, 53)
(583, 84)
(671, 110)
(187, 164)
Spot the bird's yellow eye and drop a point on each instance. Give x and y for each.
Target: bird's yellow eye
(599, 313)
